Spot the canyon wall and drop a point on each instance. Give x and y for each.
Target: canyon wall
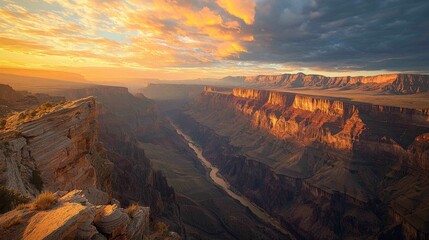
(125, 119)
(59, 145)
(389, 83)
(319, 159)
(56, 147)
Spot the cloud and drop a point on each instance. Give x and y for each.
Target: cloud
(337, 35)
(243, 9)
(156, 33)
(225, 36)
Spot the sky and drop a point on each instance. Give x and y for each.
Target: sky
(184, 39)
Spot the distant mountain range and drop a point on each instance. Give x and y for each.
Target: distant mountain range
(387, 84)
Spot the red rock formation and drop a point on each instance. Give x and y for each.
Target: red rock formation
(125, 119)
(75, 217)
(389, 83)
(329, 156)
(61, 146)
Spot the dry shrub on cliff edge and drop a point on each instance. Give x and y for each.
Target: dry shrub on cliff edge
(132, 209)
(45, 201)
(161, 230)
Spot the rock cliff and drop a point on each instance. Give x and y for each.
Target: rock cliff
(389, 83)
(73, 216)
(329, 167)
(54, 148)
(125, 120)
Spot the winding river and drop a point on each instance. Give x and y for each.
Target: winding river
(218, 179)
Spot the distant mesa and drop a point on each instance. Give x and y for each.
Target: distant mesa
(387, 84)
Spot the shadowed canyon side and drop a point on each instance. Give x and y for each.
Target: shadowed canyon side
(331, 168)
(125, 119)
(206, 211)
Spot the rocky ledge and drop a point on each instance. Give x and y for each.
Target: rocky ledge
(54, 147)
(74, 216)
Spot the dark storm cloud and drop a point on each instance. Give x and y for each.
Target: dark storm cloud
(342, 35)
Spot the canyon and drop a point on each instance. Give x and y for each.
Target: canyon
(218, 162)
(57, 147)
(330, 168)
(132, 134)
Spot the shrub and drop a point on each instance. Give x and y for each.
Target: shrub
(161, 228)
(22, 115)
(45, 106)
(9, 199)
(22, 206)
(132, 209)
(45, 201)
(36, 180)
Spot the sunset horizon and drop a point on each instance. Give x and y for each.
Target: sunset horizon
(177, 40)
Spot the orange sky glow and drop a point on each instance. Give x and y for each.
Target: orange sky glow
(164, 39)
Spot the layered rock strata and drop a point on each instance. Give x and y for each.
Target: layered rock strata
(328, 167)
(389, 83)
(58, 150)
(75, 217)
(125, 120)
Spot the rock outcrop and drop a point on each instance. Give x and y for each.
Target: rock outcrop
(75, 217)
(389, 83)
(56, 149)
(330, 168)
(125, 120)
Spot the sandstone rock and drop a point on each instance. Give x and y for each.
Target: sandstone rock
(75, 196)
(90, 195)
(61, 148)
(123, 120)
(111, 220)
(319, 158)
(96, 196)
(63, 222)
(74, 217)
(139, 224)
(388, 83)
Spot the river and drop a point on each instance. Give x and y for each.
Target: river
(221, 182)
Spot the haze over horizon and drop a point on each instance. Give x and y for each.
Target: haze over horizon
(184, 39)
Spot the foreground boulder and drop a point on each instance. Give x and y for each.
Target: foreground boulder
(74, 217)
